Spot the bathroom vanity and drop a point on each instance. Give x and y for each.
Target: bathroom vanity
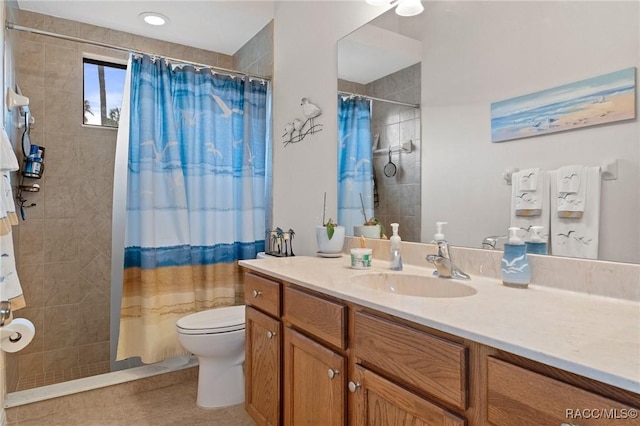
(323, 348)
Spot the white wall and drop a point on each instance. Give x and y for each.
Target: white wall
(305, 65)
(476, 53)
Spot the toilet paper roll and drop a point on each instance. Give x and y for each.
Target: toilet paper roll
(17, 335)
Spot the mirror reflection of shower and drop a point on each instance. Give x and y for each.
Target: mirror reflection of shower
(395, 139)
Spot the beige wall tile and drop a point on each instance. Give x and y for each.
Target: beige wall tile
(31, 241)
(97, 155)
(94, 322)
(63, 68)
(30, 64)
(61, 26)
(61, 283)
(30, 364)
(94, 33)
(60, 198)
(86, 252)
(32, 282)
(30, 19)
(61, 154)
(93, 353)
(62, 327)
(60, 240)
(63, 110)
(61, 359)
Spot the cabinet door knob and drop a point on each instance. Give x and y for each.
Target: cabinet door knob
(271, 334)
(256, 293)
(354, 386)
(332, 373)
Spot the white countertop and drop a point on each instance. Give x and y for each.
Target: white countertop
(593, 336)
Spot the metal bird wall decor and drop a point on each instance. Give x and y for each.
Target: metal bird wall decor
(297, 130)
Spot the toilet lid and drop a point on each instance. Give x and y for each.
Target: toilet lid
(211, 321)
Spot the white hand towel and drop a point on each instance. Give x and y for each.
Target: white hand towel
(571, 191)
(578, 237)
(528, 179)
(8, 160)
(526, 222)
(569, 178)
(527, 203)
(10, 288)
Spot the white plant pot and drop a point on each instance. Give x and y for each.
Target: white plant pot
(333, 245)
(367, 231)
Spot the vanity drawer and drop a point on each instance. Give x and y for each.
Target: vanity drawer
(426, 362)
(262, 293)
(516, 396)
(322, 318)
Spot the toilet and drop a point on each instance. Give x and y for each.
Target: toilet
(216, 337)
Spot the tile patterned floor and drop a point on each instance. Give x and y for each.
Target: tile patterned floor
(171, 405)
(59, 376)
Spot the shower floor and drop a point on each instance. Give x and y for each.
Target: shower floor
(59, 376)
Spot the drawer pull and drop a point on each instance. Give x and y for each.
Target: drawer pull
(271, 334)
(332, 373)
(354, 386)
(256, 293)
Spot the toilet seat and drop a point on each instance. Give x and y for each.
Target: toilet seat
(213, 321)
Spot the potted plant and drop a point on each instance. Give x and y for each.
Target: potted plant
(371, 228)
(330, 235)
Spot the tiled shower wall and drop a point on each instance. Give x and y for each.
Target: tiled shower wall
(398, 196)
(64, 246)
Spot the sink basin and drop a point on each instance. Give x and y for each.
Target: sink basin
(413, 285)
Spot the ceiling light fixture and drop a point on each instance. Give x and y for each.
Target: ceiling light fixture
(403, 7)
(153, 18)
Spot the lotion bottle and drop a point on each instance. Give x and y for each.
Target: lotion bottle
(395, 256)
(536, 244)
(515, 264)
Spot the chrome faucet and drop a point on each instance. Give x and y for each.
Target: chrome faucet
(444, 264)
(491, 243)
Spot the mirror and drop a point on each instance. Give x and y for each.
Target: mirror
(473, 54)
(385, 66)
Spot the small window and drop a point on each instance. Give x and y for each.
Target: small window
(103, 88)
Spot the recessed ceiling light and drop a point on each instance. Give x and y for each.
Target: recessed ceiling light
(153, 18)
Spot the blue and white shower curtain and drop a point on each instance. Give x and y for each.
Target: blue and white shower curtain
(355, 156)
(195, 199)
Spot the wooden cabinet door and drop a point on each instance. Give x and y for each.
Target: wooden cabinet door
(262, 367)
(314, 383)
(376, 401)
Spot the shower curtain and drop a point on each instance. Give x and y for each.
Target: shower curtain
(355, 156)
(195, 197)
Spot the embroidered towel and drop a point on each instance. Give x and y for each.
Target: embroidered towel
(10, 288)
(571, 191)
(542, 219)
(527, 202)
(578, 236)
(569, 178)
(529, 179)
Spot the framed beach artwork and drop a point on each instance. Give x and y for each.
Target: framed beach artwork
(598, 100)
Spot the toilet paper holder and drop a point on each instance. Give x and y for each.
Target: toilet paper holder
(5, 313)
(5, 319)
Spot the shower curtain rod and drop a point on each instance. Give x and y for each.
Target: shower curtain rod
(379, 99)
(12, 26)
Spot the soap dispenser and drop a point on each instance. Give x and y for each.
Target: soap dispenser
(394, 253)
(536, 244)
(439, 236)
(515, 264)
